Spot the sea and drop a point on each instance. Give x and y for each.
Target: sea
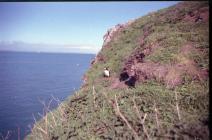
(28, 80)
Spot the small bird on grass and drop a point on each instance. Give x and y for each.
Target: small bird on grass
(106, 72)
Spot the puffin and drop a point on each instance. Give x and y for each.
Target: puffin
(106, 72)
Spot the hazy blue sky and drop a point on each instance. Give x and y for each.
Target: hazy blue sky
(66, 24)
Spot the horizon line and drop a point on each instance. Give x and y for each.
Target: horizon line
(38, 52)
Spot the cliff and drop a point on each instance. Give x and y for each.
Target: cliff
(158, 88)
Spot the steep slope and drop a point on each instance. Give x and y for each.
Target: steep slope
(158, 87)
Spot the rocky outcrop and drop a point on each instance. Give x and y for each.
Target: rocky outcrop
(112, 32)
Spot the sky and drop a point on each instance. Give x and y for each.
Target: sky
(65, 26)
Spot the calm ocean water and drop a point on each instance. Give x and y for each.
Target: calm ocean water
(28, 78)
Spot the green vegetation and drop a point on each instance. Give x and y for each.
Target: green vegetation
(150, 110)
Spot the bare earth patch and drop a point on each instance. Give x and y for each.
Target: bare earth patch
(170, 74)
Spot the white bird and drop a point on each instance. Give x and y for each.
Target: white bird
(106, 72)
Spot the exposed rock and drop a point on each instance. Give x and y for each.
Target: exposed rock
(112, 32)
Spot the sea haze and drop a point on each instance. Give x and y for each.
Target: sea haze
(28, 78)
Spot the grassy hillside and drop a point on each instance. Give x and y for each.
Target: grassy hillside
(169, 52)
